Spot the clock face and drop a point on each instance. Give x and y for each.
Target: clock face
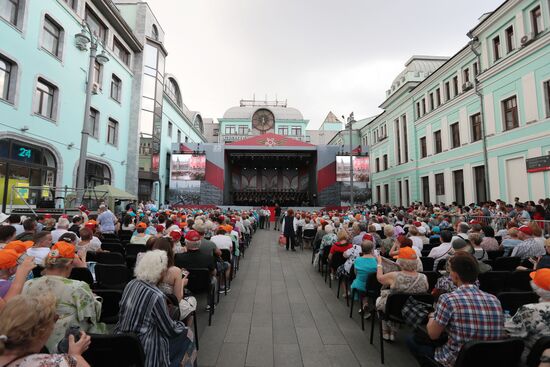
(263, 120)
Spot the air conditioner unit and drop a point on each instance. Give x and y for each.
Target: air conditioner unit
(467, 86)
(95, 88)
(527, 39)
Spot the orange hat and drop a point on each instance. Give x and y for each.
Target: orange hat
(90, 224)
(406, 253)
(541, 278)
(228, 228)
(19, 246)
(141, 225)
(8, 259)
(182, 224)
(62, 250)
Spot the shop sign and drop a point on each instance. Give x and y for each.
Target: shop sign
(538, 164)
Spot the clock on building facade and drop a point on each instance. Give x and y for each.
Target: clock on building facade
(263, 120)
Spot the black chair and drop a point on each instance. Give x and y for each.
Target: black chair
(82, 274)
(512, 301)
(493, 282)
(323, 262)
(131, 254)
(113, 258)
(520, 280)
(336, 260)
(200, 281)
(533, 359)
(110, 306)
(392, 312)
(502, 353)
(111, 276)
(441, 264)
(432, 276)
(113, 247)
(309, 235)
(506, 263)
(110, 236)
(118, 350)
(427, 263)
(37, 271)
(346, 279)
(226, 256)
(299, 237)
(125, 235)
(435, 241)
(494, 254)
(373, 291)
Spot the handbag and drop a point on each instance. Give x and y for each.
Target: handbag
(415, 312)
(282, 240)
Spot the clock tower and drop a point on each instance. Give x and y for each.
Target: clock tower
(263, 120)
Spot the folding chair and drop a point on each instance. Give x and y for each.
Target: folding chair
(118, 350)
(512, 301)
(494, 282)
(506, 263)
(432, 276)
(111, 276)
(200, 281)
(113, 247)
(502, 353)
(427, 263)
(519, 280)
(110, 306)
(82, 274)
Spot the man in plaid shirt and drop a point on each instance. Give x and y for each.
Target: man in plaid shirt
(465, 314)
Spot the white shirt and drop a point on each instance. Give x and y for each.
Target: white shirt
(417, 242)
(56, 233)
(39, 253)
(222, 241)
(440, 250)
(18, 229)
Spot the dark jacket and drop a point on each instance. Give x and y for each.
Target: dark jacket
(288, 230)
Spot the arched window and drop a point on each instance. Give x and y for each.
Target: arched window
(155, 32)
(198, 123)
(173, 90)
(97, 174)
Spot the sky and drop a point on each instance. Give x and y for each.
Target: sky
(320, 55)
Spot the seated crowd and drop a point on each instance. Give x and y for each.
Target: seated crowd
(49, 314)
(448, 254)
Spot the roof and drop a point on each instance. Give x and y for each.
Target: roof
(280, 113)
(331, 118)
(271, 140)
(417, 68)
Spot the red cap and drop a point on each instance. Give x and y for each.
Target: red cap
(526, 230)
(159, 228)
(417, 224)
(47, 216)
(83, 208)
(193, 236)
(176, 236)
(367, 237)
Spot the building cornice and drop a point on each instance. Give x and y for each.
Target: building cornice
(112, 13)
(489, 20)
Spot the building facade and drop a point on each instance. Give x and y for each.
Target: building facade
(43, 77)
(461, 129)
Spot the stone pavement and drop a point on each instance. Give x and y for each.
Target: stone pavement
(280, 313)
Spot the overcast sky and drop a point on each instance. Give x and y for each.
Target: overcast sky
(320, 55)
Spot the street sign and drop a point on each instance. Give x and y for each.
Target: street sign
(538, 164)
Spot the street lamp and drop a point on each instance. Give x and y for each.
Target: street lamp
(351, 120)
(82, 39)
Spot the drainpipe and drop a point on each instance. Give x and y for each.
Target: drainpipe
(474, 45)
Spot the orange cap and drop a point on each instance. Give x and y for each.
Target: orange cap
(19, 246)
(541, 278)
(406, 253)
(141, 225)
(8, 259)
(63, 250)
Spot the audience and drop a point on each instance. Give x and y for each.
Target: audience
(364, 265)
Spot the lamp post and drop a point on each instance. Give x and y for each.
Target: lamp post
(351, 120)
(81, 40)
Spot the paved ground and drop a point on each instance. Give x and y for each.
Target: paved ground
(280, 312)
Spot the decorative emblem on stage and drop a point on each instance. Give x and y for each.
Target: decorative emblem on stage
(272, 142)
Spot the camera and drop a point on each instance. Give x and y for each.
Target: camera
(63, 345)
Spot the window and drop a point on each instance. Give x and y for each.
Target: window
(116, 88)
(458, 176)
(98, 73)
(8, 73)
(97, 27)
(45, 99)
(466, 75)
(386, 194)
(230, 130)
(385, 159)
(179, 135)
(398, 141)
(407, 196)
(455, 86)
(378, 194)
(423, 148)
(283, 130)
(112, 132)
(243, 130)
(437, 97)
(496, 48)
(405, 138)
(510, 112)
(186, 139)
(480, 185)
(423, 106)
(437, 142)
(510, 44)
(73, 4)
(9, 10)
(121, 51)
(439, 184)
(545, 85)
(417, 110)
(426, 189)
(377, 164)
(52, 37)
(536, 20)
(475, 121)
(432, 106)
(296, 131)
(170, 128)
(93, 128)
(155, 32)
(97, 174)
(447, 91)
(476, 69)
(400, 193)
(455, 135)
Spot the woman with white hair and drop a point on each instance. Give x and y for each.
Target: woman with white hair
(143, 311)
(532, 321)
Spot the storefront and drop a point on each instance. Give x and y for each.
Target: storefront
(27, 173)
